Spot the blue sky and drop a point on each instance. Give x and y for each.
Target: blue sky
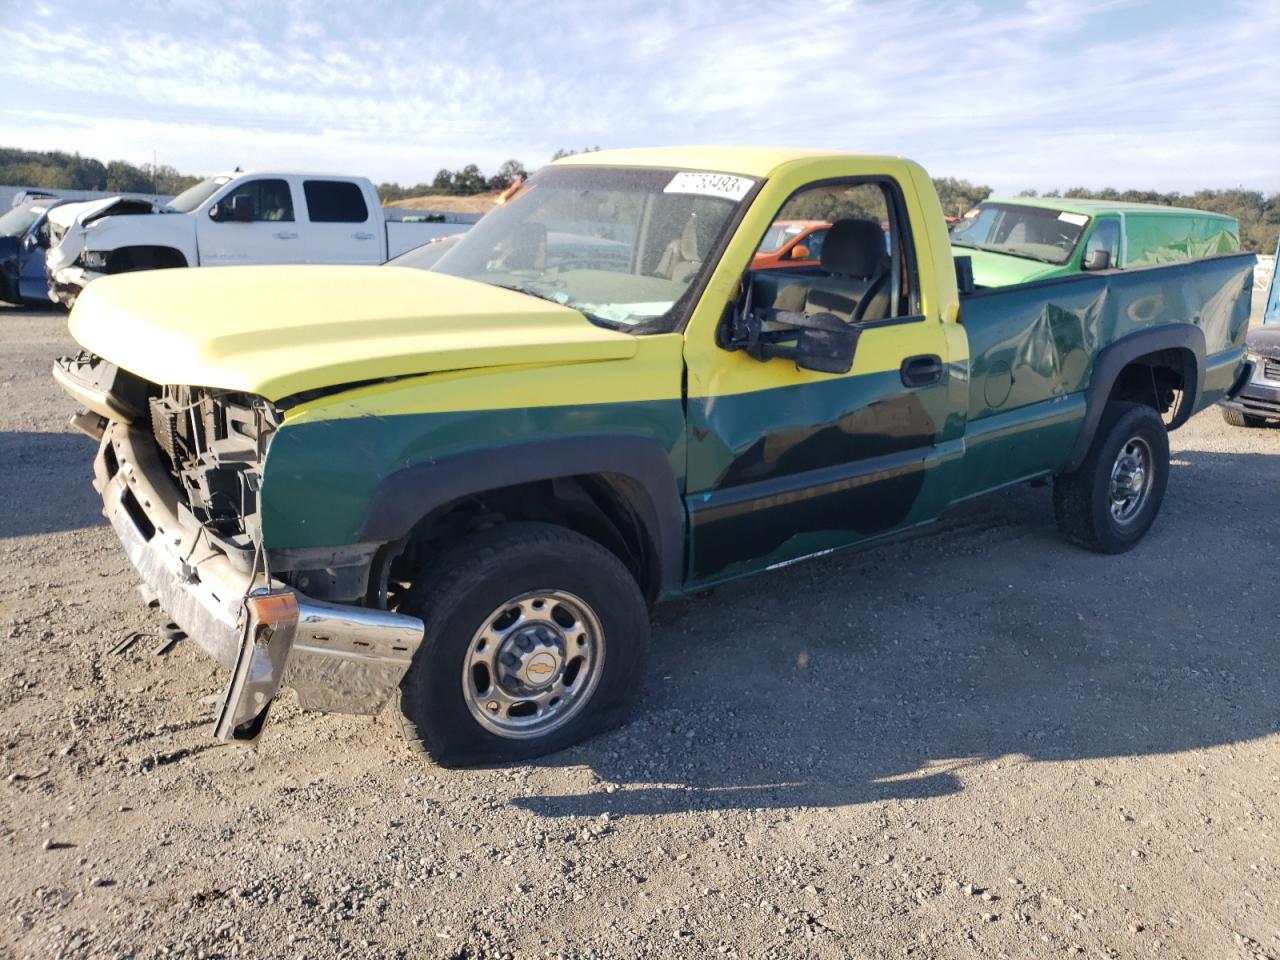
(1172, 95)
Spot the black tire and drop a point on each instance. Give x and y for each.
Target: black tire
(458, 594)
(1238, 418)
(1082, 499)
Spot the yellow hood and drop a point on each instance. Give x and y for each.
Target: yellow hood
(278, 331)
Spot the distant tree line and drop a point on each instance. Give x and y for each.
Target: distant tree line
(69, 171)
(468, 181)
(1257, 213)
(465, 182)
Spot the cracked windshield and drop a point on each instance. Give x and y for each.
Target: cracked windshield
(621, 245)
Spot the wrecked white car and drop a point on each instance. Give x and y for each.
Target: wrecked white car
(241, 218)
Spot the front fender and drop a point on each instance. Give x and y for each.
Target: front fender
(371, 478)
(138, 230)
(406, 496)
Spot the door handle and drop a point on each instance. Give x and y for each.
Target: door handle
(362, 236)
(286, 235)
(922, 371)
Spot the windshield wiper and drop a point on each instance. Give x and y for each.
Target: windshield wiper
(551, 298)
(996, 248)
(1029, 256)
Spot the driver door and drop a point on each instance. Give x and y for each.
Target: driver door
(272, 236)
(784, 463)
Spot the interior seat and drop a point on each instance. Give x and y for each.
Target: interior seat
(856, 287)
(683, 256)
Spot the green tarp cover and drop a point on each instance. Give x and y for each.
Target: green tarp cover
(1170, 237)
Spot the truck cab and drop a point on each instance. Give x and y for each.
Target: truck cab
(1018, 240)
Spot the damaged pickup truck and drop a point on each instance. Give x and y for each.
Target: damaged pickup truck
(462, 487)
(229, 220)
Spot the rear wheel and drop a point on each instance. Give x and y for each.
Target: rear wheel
(1111, 500)
(535, 639)
(1238, 418)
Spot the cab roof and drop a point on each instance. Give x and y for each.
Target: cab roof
(744, 161)
(1091, 208)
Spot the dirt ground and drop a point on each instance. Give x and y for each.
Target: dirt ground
(976, 743)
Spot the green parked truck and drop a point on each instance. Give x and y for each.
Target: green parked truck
(1018, 240)
(459, 488)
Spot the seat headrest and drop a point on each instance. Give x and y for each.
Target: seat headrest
(855, 248)
(689, 240)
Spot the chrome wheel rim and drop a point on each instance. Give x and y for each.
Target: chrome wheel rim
(1130, 480)
(533, 664)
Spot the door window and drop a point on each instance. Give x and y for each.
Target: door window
(1106, 236)
(864, 272)
(335, 201)
(270, 200)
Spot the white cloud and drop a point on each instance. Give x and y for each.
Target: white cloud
(1038, 93)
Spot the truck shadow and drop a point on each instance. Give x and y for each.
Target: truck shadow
(895, 672)
(45, 483)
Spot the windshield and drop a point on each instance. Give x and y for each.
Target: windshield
(1035, 233)
(192, 197)
(621, 245)
(18, 221)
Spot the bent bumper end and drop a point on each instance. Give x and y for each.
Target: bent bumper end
(337, 658)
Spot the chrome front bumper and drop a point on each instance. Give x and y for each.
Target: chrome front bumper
(337, 658)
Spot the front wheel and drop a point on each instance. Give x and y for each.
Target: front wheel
(1111, 500)
(535, 639)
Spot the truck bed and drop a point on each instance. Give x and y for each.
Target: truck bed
(1032, 349)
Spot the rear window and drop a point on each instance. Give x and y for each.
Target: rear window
(335, 201)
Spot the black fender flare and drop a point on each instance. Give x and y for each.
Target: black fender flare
(1116, 356)
(403, 498)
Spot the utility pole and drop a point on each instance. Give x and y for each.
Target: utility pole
(155, 185)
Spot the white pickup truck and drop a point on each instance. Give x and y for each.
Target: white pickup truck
(238, 218)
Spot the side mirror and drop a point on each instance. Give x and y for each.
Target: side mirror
(30, 242)
(828, 350)
(799, 252)
(821, 342)
(235, 209)
(1097, 260)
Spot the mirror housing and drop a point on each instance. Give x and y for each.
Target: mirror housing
(30, 242)
(827, 350)
(821, 342)
(799, 252)
(1097, 260)
(235, 209)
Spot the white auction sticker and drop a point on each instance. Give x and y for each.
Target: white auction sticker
(710, 185)
(1076, 219)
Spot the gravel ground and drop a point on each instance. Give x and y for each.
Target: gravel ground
(976, 743)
